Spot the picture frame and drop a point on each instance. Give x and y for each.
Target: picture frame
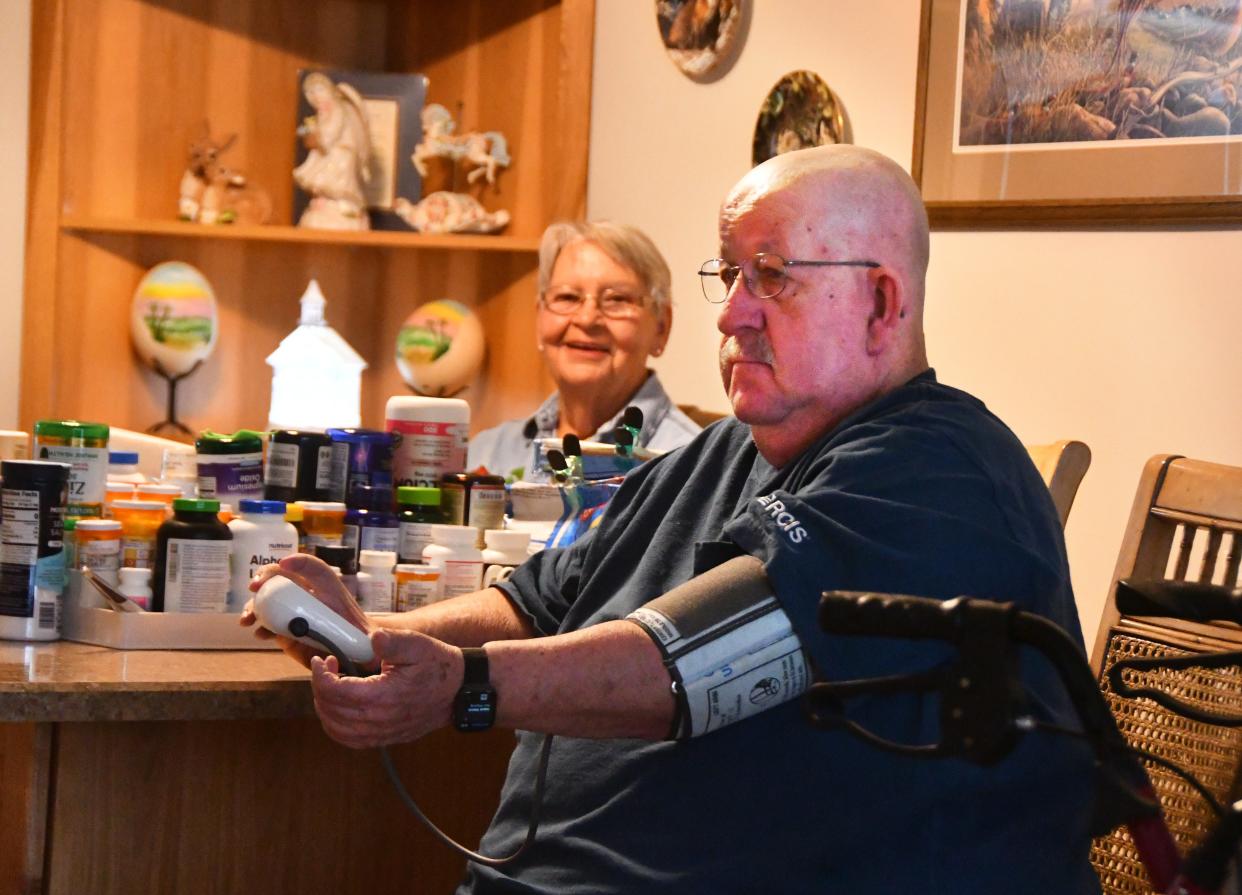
(1039, 152)
(393, 105)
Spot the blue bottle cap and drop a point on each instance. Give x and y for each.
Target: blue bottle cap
(123, 458)
(272, 507)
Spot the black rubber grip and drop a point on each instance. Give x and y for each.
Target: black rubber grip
(633, 417)
(1189, 600)
(889, 615)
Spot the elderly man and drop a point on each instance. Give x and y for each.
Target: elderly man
(847, 466)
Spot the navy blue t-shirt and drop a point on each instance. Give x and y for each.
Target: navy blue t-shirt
(920, 492)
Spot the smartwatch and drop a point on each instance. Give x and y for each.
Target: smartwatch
(474, 707)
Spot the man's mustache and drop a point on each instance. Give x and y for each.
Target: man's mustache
(751, 347)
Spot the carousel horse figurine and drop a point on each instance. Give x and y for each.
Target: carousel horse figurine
(484, 151)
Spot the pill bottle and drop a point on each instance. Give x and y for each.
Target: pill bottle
(359, 457)
(417, 585)
(370, 523)
(73, 577)
(298, 465)
(431, 433)
(230, 467)
(140, 525)
(377, 588)
(34, 497)
(505, 551)
(84, 446)
(98, 548)
(261, 537)
(123, 467)
(344, 560)
(180, 468)
(323, 522)
(114, 491)
(419, 509)
(136, 585)
(226, 514)
(14, 445)
(192, 559)
(293, 515)
(453, 551)
(159, 493)
(473, 499)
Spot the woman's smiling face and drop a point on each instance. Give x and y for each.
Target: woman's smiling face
(586, 348)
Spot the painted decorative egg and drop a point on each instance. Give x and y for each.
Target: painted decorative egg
(440, 348)
(173, 319)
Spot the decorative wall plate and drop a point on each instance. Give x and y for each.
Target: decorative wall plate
(799, 112)
(700, 35)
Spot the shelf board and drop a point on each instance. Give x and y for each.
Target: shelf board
(274, 233)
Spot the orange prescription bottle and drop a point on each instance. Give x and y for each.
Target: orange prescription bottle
(140, 521)
(323, 522)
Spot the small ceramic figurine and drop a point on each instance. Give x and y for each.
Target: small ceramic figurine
(213, 194)
(445, 212)
(337, 164)
(485, 151)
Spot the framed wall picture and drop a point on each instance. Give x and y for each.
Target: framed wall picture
(1069, 112)
(392, 105)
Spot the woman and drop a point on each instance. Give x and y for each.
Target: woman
(604, 307)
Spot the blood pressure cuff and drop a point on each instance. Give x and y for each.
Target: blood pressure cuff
(729, 647)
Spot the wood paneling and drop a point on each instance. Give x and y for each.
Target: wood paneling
(123, 86)
(25, 764)
(260, 806)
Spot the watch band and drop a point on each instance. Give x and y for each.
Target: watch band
(476, 671)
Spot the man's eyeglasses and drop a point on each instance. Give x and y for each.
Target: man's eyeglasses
(617, 305)
(765, 274)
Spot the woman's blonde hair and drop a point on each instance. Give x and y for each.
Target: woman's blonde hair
(628, 246)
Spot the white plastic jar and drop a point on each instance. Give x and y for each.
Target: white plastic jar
(136, 584)
(506, 550)
(377, 588)
(452, 550)
(260, 536)
(432, 436)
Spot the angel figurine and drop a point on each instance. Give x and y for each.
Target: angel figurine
(338, 162)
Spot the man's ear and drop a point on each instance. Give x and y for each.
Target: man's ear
(888, 309)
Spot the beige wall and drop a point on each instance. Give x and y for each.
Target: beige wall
(14, 112)
(1126, 340)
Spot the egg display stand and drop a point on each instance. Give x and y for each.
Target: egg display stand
(170, 423)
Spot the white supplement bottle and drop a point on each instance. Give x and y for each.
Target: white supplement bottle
(260, 536)
(136, 584)
(377, 588)
(431, 438)
(452, 550)
(506, 550)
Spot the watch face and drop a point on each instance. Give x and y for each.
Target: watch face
(474, 708)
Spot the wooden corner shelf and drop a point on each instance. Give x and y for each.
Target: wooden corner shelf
(85, 224)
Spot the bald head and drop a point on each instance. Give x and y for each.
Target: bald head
(853, 199)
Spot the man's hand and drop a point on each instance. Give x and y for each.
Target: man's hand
(410, 698)
(316, 576)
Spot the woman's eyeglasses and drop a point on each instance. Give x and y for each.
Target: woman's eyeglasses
(617, 305)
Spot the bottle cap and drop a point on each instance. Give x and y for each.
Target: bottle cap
(263, 507)
(243, 441)
(71, 429)
(294, 512)
(338, 555)
(71, 522)
(322, 506)
(93, 524)
(385, 558)
(507, 541)
(454, 534)
(123, 458)
(187, 504)
(158, 488)
(148, 505)
(417, 496)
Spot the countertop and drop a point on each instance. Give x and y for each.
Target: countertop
(66, 681)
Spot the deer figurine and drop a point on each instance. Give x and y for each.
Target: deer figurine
(214, 194)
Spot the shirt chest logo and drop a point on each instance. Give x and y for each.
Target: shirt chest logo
(786, 521)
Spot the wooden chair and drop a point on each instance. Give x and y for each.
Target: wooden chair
(1062, 465)
(703, 417)
(1185, 525)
